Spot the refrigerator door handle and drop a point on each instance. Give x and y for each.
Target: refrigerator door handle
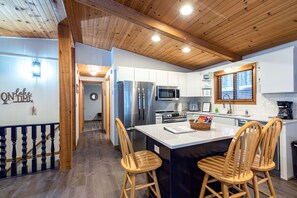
(143, 103)
(139, 103)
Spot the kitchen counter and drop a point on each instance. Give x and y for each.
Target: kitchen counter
(254, 118)
(173, 141)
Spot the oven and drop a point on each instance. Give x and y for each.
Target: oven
(167, 93)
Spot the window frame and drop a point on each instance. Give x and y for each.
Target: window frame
(218, 74)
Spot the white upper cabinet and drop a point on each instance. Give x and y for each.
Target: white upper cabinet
(182, 84)
(125, 73)
(152, 76)
(173, 79)
(193, 84)
(277, 71)
(162, 78)
(141, 75)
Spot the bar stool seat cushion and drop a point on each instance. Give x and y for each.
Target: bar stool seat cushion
(214, 166)
(147, 161)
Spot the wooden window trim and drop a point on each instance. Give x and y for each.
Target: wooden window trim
(251, 66)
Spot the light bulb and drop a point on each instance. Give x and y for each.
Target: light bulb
(186, 10)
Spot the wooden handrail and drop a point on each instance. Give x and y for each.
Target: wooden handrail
(30, 156)
(18, 159)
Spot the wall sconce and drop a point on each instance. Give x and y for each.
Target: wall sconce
(36, 69)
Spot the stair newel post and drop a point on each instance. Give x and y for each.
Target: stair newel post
(24, 150)
(43, 148)
(34, 160)
(14, 154)
(52, 134)
(2, 152)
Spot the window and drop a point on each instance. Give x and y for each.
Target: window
(237, 84)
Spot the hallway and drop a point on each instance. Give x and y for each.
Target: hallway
(96, 173)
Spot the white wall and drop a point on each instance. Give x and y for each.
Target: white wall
(16, 57)
(26, 47)
(86, 54)
(266, 103)
(92, 108)
(128, 59)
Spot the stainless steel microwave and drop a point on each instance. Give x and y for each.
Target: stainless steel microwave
(167, 93)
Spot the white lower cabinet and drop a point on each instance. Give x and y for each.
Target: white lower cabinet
(223, 120)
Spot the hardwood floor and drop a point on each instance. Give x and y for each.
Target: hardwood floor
(92, 125)
(96, 173)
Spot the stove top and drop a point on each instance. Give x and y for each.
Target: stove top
(172, 114)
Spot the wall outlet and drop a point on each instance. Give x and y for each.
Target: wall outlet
(156, 149)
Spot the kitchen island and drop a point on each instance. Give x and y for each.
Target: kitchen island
(179, 175)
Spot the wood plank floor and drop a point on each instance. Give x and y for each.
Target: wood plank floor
(96, 173)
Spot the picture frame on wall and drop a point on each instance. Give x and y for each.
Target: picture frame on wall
(206, 107)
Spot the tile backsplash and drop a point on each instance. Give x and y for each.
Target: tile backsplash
(266, 105)
(173, 105)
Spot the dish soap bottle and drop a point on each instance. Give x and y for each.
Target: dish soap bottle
(216, 110)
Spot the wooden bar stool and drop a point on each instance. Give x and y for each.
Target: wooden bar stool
(264, 158)
(234, 170)
(136, 163)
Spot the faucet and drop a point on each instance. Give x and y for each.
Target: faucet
(229, 110)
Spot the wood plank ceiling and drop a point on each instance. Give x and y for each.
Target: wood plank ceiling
(85, 70)
(242, 27)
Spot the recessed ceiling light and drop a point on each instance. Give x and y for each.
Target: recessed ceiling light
(186, 50)
(156, 38)
(93, 72)
(186, 9)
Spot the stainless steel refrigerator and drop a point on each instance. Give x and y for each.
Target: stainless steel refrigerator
(136, 107)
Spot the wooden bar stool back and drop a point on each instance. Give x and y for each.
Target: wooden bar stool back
(235, 168)
(136, 163)
(264, 158)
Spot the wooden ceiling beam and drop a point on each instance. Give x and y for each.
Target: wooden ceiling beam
(129, 14)
(74, 24)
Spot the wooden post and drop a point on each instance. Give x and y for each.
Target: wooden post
(66, 107)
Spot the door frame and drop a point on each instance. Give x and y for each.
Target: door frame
(81, 102)
(107, 105)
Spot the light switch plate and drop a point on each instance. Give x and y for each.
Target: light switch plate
(156, 149)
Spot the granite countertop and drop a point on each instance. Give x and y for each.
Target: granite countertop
(173, 141)
(255, 118)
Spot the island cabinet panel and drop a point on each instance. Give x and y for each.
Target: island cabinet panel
(179, 175)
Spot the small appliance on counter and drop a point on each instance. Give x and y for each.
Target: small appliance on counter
(285, 110)
(193, 106)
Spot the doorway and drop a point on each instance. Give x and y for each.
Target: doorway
(92, 106)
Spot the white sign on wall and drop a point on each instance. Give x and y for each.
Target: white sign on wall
(17, 96)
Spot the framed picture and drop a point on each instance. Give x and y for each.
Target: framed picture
(206, 106)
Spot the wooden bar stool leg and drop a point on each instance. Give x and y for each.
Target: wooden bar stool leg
(246, 189)
(124, 185)
(225, 191)
(156, 184)
(256, 186)
(203, 186)
(147, 181)
(133, 185)
(270, 185)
